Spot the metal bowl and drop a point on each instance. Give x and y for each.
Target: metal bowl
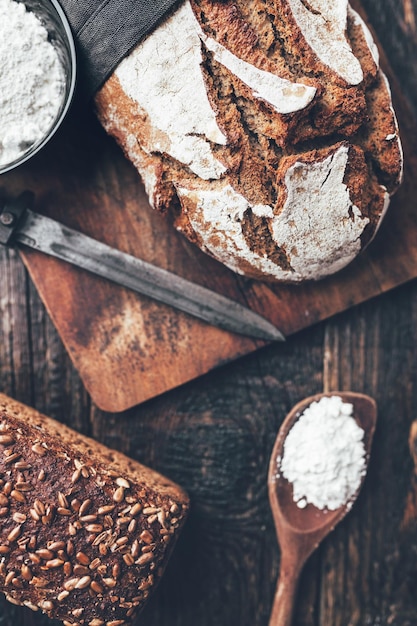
(53, 18)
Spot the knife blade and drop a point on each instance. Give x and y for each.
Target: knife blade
(19, 225)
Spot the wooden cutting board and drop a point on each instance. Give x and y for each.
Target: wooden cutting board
(128, 348)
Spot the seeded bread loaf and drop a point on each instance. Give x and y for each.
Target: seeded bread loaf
(85, 531)
(264, 129)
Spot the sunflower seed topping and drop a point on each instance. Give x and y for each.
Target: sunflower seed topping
(109, 542)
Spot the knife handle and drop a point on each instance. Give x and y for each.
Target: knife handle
(12, 213)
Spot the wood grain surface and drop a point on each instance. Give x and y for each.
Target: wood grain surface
(128, 348)
(214, 435)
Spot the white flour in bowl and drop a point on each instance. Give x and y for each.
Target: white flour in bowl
(32, 81)
(324, 455)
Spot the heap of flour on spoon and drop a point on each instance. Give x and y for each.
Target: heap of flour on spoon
(324, 455)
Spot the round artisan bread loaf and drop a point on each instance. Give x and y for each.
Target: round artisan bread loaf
(265, 129)
(85, 531)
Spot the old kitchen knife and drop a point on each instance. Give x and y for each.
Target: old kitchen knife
(19, 225)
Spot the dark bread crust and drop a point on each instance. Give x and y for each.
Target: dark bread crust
(85, 531)
(262, 144)
(338, 107)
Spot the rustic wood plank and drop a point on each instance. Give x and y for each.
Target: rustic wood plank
(368, 351)
(15, 333)
(225, 425)
(214, 436)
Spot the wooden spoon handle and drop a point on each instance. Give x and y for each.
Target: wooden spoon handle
(283, 605)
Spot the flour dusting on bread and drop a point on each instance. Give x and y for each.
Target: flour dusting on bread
(323, 26)
(265, 129)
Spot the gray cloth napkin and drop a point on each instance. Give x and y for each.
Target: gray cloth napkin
(106, 30)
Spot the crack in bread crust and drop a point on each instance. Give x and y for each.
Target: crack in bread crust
(223, 154)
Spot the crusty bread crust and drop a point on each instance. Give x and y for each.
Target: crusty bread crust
(85, 531)
(225, 101)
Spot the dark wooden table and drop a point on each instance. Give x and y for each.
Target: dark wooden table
(214, 436)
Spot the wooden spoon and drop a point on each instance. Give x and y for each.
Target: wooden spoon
(300, 530)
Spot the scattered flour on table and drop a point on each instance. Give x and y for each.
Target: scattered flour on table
(32, 80)
(324, 455)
